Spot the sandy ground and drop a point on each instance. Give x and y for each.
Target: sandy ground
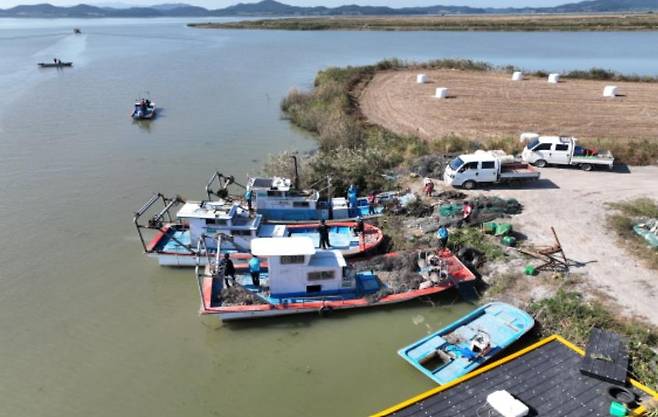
(573, 202)
(488, 104)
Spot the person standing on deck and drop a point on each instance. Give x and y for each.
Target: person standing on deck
(323, 230)
(442, 234)
(229, 270)
(352, 194)
(371, 204)
(248, 196)
(254, 268)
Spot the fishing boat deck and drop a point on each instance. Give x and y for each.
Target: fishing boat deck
(544, 376)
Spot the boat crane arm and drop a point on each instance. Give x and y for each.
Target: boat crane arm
(155, 222)
(223, 182)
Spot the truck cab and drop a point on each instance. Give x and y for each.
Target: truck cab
(468, 169)
(543, 150)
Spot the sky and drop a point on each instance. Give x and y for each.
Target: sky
(216, 4)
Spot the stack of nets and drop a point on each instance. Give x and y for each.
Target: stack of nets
(485, 209)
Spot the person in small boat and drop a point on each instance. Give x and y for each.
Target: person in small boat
(360, 227)
(323, 230)
(371, 204)
(443, 234)
(229, 270)
(254, 268)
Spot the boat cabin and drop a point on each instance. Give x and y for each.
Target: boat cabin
(297, 269)
(209, 218)
(275, 198)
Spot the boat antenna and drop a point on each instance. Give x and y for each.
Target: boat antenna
(294, 160)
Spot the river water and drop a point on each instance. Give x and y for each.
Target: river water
(88, 325)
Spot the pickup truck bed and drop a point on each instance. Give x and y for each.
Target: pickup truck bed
(518, 171)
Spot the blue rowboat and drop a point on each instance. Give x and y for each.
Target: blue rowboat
(469, 342)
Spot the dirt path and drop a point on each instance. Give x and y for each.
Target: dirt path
(573, 202)
(488, 104)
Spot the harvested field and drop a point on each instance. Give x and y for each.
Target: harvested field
(487, 104)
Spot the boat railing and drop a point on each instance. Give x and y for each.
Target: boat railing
(157, 221)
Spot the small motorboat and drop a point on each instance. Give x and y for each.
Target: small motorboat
(469, 342)
(303, 279)
(144, 109)
(58, 64)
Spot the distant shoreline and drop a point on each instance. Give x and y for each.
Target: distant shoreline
(630, 22)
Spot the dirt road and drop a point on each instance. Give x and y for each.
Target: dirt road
(573, 202)
(486, 105)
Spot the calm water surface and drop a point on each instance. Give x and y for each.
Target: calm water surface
(88, 326)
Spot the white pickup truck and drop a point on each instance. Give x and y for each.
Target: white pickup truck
(468, 170)
(557, 150)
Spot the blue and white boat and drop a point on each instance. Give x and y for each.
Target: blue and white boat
(144, 109)
(175, 237)
(276, 199)
(469, 342)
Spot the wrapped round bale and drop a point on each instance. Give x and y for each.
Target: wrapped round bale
(610, 91)
(517, 76)
(421, 78)
(554, 78)
(441, 92)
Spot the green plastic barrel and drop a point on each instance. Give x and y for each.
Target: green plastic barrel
(618, 409)
(503, 229)
(489, 228)
(508, 240)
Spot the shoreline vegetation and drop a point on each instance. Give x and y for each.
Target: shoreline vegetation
(351, 150)
(517, 23)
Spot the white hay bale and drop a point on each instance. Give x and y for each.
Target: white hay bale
(517, 76)
(554, 78)
(610, 91)
(441, 92)
(421, 78)
(528, 136)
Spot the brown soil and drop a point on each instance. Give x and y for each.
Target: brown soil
(486, 105)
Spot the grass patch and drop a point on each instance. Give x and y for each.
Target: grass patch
(626, 215)
(475, 238)
(567, 313)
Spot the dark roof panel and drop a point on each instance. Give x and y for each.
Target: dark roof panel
(546, 379)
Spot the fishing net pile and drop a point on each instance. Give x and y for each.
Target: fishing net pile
(239, 296)
(485, 209)
(431, 165)
(398, 272)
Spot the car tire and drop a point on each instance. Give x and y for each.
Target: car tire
(540, 163)
(469, 185)
(586, 167)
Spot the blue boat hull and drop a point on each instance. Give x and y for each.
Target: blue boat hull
(460, 348)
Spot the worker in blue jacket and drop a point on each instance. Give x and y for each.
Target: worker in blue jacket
(254, 268)
(442, 234)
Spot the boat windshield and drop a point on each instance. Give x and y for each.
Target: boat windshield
(532, 143)
(456, 163)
